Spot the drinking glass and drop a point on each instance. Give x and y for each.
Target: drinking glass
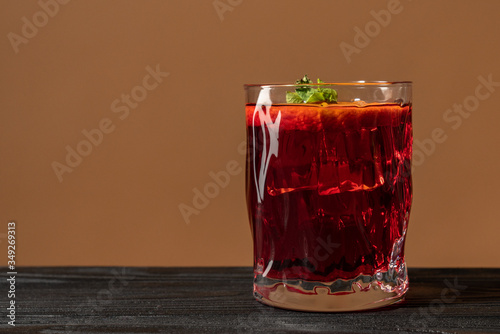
(329, 192)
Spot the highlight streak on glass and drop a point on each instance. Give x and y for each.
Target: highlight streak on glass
(264, 102)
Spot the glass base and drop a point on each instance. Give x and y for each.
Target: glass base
(361, 293)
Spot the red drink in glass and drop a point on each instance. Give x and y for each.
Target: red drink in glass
(329, 196)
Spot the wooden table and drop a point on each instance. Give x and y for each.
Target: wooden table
(219, 300)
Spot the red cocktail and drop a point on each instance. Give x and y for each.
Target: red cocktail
(329, 196)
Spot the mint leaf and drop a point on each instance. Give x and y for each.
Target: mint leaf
(292, 97)
(304, 93)
(307, 94)
(316, 97)
(304, 80)
(329, 94)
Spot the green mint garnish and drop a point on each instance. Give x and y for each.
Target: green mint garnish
(308, 94)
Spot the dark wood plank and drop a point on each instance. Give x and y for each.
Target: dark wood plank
(219, 300)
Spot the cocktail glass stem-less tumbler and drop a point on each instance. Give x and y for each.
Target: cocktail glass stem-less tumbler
(329, 193)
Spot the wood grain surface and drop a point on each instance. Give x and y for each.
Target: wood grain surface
(219, 300)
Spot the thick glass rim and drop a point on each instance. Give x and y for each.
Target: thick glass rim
(360, 83)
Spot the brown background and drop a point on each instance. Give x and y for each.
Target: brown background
(120, 206)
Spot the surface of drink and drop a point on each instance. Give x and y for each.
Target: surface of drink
(329, 195)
